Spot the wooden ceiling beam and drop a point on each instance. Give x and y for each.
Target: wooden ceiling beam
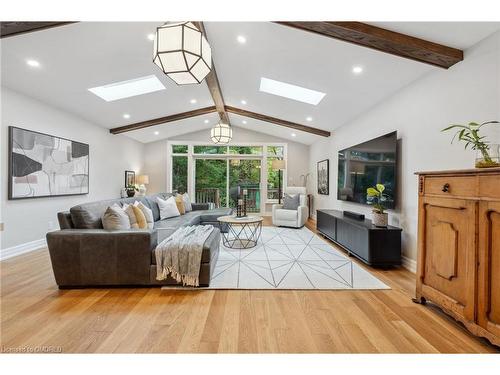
(384, 40)
(213, 83)
(162, 120)
(277, 121)
(8, 29)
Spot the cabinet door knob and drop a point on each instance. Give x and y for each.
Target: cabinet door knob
(446, 188)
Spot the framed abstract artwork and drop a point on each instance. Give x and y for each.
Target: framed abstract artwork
(42, 165)
(129, 178)
(323, 173)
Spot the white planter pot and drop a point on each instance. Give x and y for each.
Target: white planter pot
(380, 220)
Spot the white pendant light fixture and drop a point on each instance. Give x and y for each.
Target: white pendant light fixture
(221, 133)
(182, 52)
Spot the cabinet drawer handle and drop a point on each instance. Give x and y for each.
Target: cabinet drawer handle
(446, 188)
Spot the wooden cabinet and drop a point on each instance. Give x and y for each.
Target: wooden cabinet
(458, 266)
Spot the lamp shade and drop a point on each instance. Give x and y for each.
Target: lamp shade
(221, 133)
(143, 179)
(182, 52)
(278, 164)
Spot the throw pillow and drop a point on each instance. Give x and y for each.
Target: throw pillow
(148, 214)
(168, 208)
(187, 202)
(141, 219)
(115, 218)
(180, 204)
(129, 210)
(291, 202)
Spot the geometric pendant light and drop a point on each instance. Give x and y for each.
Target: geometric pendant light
(182, 52)
(221, 133)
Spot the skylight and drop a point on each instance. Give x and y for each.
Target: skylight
(290, 91)
(126, 89)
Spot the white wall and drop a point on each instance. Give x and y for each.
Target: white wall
(30, 219)
(469, 91)
(155, 163)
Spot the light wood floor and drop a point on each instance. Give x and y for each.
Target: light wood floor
(35, 313)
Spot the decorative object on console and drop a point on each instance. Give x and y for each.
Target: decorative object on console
(129, 178)
(354, 215)
(182, 52)
(142, 180)
(458, 262)
(487, 155)
(42, 165)
(375, 197)
(221, 133)
(323, 172)
(131, 189)
(278, 165)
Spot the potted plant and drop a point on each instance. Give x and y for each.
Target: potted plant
(131, 189)
(487, 154)
(376, 196)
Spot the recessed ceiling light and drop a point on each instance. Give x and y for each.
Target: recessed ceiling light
(294, 135)
(126, 89)
(241, 39)
(157, 132)
(206, 121)
(192, 101)
(357, 69)
(151, 36)
(244, 121)
(33, 63)
(290, 91)
(309, 118)
(126, 115)
(243, 102)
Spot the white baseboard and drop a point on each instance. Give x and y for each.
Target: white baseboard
(24, 248)
(409, 264)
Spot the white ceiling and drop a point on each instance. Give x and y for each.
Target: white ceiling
(79, 56)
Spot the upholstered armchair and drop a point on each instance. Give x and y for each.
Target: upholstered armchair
(292, 218)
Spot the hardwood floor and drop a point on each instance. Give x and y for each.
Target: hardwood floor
(35, 313)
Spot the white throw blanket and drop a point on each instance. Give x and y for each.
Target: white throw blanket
(180, 254)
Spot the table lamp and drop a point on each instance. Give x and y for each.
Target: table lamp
(142, 180)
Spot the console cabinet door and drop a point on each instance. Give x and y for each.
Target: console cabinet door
(326, 224)
(489, 267)
(447, 254)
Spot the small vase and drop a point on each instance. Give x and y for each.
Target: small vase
(130, 193)
(380, 220)
(488, 158)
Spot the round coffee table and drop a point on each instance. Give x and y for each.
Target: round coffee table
(242, 233)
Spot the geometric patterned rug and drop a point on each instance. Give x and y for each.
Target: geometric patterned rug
(287, 258)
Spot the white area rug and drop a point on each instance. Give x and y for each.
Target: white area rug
(290, 259)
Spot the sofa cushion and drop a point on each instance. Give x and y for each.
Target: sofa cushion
(211, 216)
(210, 246)
(190, 218)
(288, 215)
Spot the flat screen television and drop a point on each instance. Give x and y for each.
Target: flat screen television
(365, 165)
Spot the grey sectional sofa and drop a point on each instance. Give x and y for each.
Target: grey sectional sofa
(83, 254)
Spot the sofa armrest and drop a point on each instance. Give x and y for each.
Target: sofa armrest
(101, 257)
(200, 206)
(303, 215)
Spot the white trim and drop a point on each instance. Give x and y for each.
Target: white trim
(23, 248)
(409, 264)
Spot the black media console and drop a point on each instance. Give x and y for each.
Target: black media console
(373, 245)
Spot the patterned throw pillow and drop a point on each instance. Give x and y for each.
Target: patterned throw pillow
(291, 202)
(148, 214)
(129, 210)
(180, 204)
(139, 216)
(187, 202)
(115, 219)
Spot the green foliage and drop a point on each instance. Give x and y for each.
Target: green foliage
(377, 195)
(470, 135)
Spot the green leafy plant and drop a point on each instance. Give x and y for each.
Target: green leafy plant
(470, 135)
(132, 187)
(376, 194)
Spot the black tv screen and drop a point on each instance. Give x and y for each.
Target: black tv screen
(365, 165)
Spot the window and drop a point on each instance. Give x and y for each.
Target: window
(245, 150)
(179, 149)
(179, 173)
(210, 150)
(273, 177)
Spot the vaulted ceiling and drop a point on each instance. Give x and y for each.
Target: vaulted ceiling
(79, 56)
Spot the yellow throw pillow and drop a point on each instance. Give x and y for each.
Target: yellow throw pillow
(180, 204)
(141, 219)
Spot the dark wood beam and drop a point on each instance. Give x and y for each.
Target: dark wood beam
(213, 83)
(384, 40)
(277, 121)
(162, 120)
(16, 28)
